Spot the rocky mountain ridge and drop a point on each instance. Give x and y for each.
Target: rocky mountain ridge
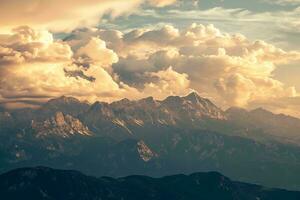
(150, 137)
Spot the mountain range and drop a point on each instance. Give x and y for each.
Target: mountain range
(42, 183)
(157, 138)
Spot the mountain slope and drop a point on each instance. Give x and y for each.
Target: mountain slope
(175, 151)
(285, 128)
(44, 184)
(150, 137)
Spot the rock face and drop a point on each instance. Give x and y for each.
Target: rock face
(126, 115)
(45, 183)
(145, 152)
(60, 125)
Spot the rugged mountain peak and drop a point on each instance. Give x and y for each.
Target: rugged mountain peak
(66, 105)
(148, 101)
(101, 108)
(201, 102)
(193, 97)
(121, 103)
(191, 108)
(171, 111)
(60, 125)
(98, 106)
(173, 101)
(124, 101)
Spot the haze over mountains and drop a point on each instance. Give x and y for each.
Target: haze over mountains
(149, 137)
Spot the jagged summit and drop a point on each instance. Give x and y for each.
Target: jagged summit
(173, 100)
(97, 103)
(64, 104)
(148, 100)
(174, 108)
(126, 115)
(98, 107)
(122, 102)
(193, 97)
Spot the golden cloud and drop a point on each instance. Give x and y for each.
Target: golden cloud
(231, 69)
(161, 3)
(34, 68)
(65, 15)
(169, 83)
(27, 45)
(108, 65)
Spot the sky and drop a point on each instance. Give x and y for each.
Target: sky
(236, 53)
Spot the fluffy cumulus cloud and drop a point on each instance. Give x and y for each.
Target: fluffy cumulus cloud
(34, 67)
(65, 15)
(230, 69)
(106, 65)
(169, 83)
(96, 53)
(26, 45)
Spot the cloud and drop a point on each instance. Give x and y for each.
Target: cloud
(283, 2)
(34, 67)
(26, 45)
(169, 83)
(107, 65)
(65, 15)
(161, 3)
(231, 69)
(95, 52)
(46, 68)
(277, 26)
